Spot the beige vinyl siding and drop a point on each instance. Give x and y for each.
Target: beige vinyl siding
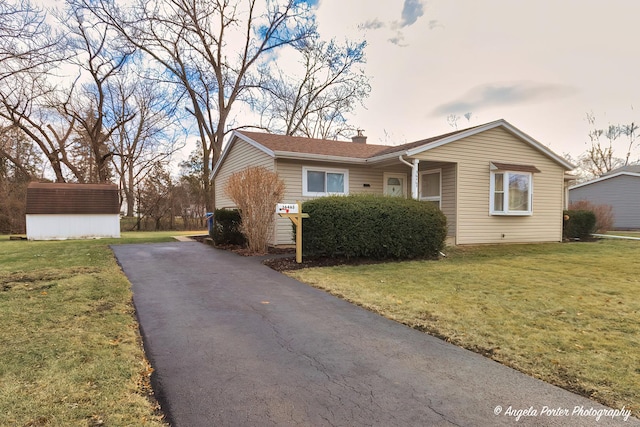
(374, 176)
(448, 205)
(473, 222)
(359, 175)
(448, 195)
(241, 156)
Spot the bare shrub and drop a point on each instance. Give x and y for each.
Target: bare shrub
(604, 214)
(256, 191)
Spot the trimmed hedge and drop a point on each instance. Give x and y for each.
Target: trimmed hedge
(578, 224)
(376, 227)
(226, 227)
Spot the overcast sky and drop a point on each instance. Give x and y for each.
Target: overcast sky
(539, 64)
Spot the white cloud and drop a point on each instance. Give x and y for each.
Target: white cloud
(503, 94)
(373, 24)
(540, 64)
(411, 11)
(398, 39)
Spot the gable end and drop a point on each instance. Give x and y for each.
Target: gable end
(483, 128)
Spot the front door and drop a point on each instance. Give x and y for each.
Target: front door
(395, 184)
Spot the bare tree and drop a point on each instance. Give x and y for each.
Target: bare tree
(148, 138)
(192, 191)
(187, 204)
(18, 160)
(155, 193)
(630, 132)
(256, 191)
(452, 119)
(29, 51)
(600, 157)
(314, 104)
(211, 50)
(26, 41)
(99, 57)
(25, 105)
(17, 153)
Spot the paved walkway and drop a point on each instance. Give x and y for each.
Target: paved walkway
(234, 343)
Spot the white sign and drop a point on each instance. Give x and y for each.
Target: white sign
(287, 208)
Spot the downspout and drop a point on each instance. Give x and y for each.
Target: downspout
(414, 176)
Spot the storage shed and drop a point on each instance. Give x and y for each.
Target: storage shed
(72, 211)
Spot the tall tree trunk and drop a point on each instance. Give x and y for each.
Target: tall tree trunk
(129, 193)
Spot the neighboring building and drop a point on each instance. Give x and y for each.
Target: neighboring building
(493, 182)
(72, 211)
(619, 188)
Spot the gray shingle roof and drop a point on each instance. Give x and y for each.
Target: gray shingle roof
(296, 144)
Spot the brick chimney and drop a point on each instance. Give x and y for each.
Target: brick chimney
(359, 138)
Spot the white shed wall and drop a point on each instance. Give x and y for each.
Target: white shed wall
(62, 227)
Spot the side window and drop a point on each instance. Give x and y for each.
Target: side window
(322, 182)
(431, 186)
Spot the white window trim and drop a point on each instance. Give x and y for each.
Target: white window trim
(387, 175)
(505, 184)
(431, 198)
(305, 169)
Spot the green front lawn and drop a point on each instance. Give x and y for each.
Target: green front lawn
(568, 314)
(70, 352)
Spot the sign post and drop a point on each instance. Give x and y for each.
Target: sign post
(293, 211)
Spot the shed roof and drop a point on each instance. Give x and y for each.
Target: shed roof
(62, 198)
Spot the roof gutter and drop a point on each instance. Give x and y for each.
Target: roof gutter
(381, 158)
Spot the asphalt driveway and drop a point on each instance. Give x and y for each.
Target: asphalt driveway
(234, 343)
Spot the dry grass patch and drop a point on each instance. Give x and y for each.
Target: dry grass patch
(568, 314)
(70, 352)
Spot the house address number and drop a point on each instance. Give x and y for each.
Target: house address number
(287, 208)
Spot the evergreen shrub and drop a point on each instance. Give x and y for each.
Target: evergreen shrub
(578, 224)
(375, 227)
(226, 227)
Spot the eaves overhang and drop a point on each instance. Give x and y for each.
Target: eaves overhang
(292, 155)
(388, 156)
(232, 138)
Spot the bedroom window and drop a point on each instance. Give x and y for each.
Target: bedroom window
(323, 182)
(511, 193)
